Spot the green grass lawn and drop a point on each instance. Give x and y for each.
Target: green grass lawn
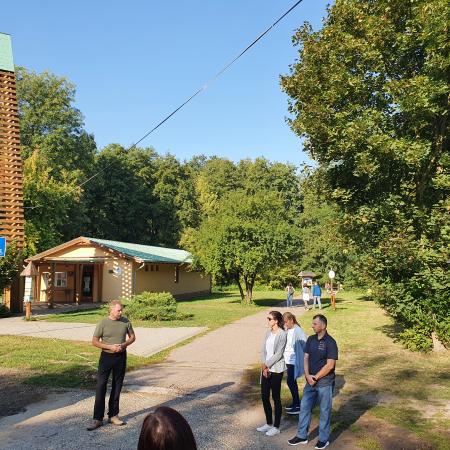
(68, 364)
(213, 311)
(378, 379)
(57, 363)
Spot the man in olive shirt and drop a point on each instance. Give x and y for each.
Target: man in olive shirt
(111, 336)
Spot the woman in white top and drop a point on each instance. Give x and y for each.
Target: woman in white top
(293, 357)
(305, 295)
(272, 368)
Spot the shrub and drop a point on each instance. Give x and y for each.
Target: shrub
(443, 332)
(416, 339)
(151, 306)
(4, 311)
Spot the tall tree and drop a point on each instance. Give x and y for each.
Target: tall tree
(50, 122)
(370, 95)
(119, 199)
(246, 236)
(58, 156)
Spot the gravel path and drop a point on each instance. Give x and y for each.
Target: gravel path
(201, 379)
(149, 340)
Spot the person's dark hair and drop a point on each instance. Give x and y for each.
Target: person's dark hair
(278, 317)
(166, 429)
(289, 316)
(322, 318)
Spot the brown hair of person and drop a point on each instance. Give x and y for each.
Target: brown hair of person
(166, 429)
(289, 316)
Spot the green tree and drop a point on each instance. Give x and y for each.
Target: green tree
(370, 95)
(49, 122)
(10, 264)
(53, 207)
(119, 199)
(246, 236)
(58, 155)
(325, 246)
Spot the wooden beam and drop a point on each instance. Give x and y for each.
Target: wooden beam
(100, 282)
(51, 286)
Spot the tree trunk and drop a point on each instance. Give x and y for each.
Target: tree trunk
(249, 288)
(241, 291)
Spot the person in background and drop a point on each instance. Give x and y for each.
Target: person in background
(293, 357)
(305, 295)
(290, 294)
(317, 294)
(321, 354)
(272, 368)
(166, 429)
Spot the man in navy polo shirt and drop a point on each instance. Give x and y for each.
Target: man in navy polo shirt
(321, 354)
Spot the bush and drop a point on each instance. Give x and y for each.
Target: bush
(4, 311)
(151, 306)
(443, 332)
(416, 339)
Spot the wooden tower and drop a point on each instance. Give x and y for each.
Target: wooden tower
(11, 183)
(11, 179)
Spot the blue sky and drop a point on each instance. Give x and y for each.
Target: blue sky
(134, 62)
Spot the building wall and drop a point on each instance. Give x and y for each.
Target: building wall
(117, 279)
(163, 280)
(116, 273)
(123, 277)
(60, 294)
(82, 251)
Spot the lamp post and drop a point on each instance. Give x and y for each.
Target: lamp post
(331, 275)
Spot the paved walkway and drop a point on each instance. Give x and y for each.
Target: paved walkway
(201, 379)
(149, 340)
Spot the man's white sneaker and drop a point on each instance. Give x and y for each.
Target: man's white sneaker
(264, 428)
(273, 431)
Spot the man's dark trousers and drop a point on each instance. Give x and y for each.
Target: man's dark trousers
(115, 362)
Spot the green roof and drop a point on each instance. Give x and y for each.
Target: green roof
(147, 253)
(6, 56)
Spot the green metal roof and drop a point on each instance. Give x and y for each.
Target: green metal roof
(6, 56)
(147, 253)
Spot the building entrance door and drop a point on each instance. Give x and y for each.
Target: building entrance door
(87, 283)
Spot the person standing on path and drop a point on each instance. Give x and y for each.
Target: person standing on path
(321, 354)
(272, 368)
(110, 336)
(305, 295)
(290, 294)
(294, 357)
(317, 293)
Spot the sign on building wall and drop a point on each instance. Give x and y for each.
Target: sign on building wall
(2, 246)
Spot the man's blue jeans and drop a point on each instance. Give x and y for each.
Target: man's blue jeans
(322, 396)
(289, 300)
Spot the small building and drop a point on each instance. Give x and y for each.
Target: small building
(307, 277)
(97, 270)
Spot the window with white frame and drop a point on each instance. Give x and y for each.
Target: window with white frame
(61, 279)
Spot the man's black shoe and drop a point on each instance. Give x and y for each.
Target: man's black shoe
(321, 445)
(296, 441)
